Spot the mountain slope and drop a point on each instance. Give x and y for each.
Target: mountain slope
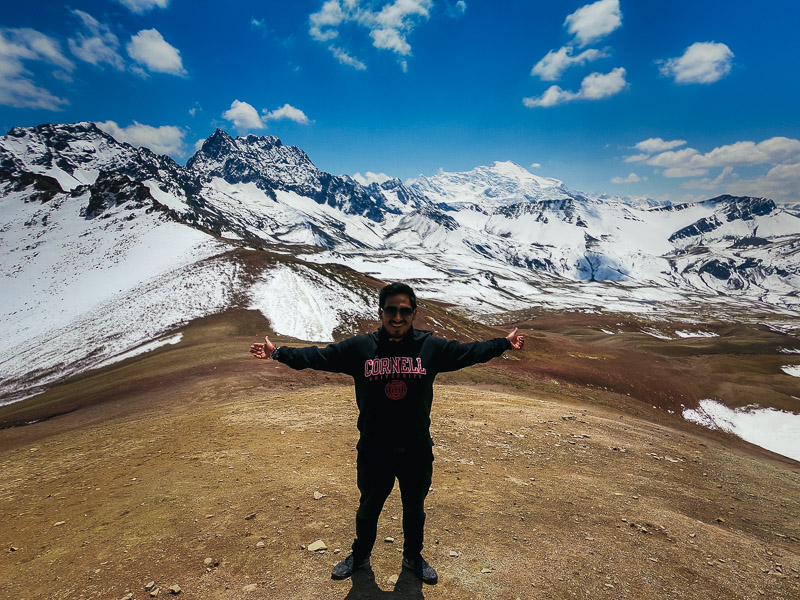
(106, 247)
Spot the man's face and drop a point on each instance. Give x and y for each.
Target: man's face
(397, 316)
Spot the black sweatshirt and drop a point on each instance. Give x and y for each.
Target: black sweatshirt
(393, 379)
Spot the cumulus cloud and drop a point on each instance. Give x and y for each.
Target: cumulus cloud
(150, 49)
(781, 183)
(551, 67)
(95, 43)
(594, 87)
(166, 139)
(370, 178)
(324, 22)
(142, 6)
(776, 150)
(388, 27)
(289, 112)
(17, 87)
(777, 157)
(632, 178)
(702, 62)
(244, 116)
(594, 21)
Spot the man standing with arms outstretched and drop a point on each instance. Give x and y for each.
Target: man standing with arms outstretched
(393, 369)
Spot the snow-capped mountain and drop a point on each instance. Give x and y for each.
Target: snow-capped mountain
(98, 235)
(502, 183)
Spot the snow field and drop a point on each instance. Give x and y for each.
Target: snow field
(772, 429)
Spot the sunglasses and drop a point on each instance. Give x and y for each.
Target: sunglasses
(393, 311)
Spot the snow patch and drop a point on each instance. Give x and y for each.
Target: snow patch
(775, 430)
(656, 333)
(305, 305)
(143, 349)
(696, 334)
(793, 370)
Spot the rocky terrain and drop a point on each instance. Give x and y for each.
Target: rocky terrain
(560, 472)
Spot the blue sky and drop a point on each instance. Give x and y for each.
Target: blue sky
(675, 100)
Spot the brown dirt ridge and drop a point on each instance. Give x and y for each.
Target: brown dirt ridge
(559, 472)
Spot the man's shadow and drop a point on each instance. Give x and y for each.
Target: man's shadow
(408, 587)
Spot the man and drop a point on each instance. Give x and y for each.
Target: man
(393, 369)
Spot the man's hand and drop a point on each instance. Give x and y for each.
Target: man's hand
(517, 340)
(262, 350)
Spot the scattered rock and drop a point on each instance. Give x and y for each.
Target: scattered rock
(453, 554)
(155, 592)
(250, 517)
(149, 586)
(318, 546)
(389, 540)
(59, 524)
(569, 417)
(260, 544)
(486, 571)
(175, 589)
(211, 562)
(318, 495)
(127, 596)
(251, 587)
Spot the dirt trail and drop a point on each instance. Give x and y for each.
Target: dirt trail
(537, 493)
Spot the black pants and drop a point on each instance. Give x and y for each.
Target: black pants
(377, 470)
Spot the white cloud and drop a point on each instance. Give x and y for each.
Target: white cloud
(244, 116)
(346, 59)
(199, 144)
(684, 172)
(594, 21)
(149, 48)
(371, 178)
(96, 44)
(637, 158)
(460, 7)
(388, 27)
(776, 150)
(554, 64)
(597, 86)
(390, 39)
(702, 62)
(536, 165)
(632, 178)
(326, 20)
(143, 6)
(17, 87)
(166, 139)
(654, 145)
(594, 87)
(289, 112)
(726, 177)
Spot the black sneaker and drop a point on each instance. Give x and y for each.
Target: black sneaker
(422, 570)
(344, 569)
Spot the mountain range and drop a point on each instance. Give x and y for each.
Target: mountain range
(107, 248)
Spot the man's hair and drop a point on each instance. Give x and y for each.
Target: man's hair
(393, 289)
